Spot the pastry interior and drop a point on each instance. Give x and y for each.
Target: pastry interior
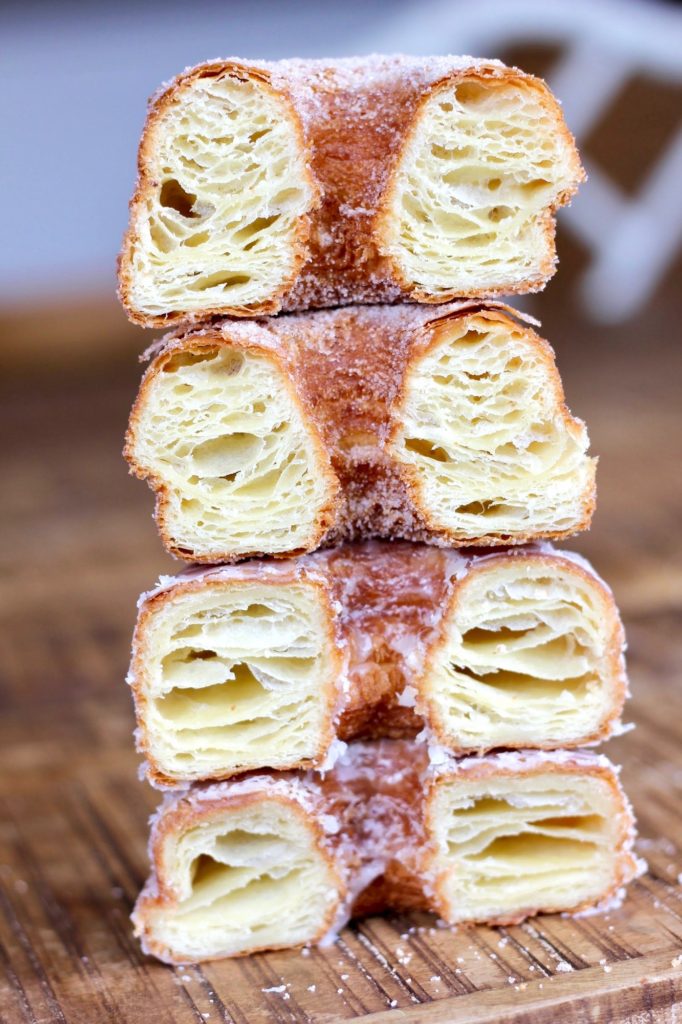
(512, 844)
(489, 452)
(236, 676)
(233, 673)
(224, 438)
(242, 877)
(469, 209)
(483, 427)
(226, 187)
(529, 656)
(220, 222)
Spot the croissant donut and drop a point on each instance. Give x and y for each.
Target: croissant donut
(299, 184)
(277, 861)
(447, 426)
(268, 664)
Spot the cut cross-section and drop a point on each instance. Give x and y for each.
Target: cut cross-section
(512, 844)
(472, 197)
(238, 467)
(237, 876)
(529, 655)
(295, 185)
(489, 446)
(226, 187)
(394, 422)
(232, 675)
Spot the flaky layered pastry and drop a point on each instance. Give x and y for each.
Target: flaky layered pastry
(299, 184)
(278, 436)
(514, 834)
(236, 870)
(276, 861)
(237, 668)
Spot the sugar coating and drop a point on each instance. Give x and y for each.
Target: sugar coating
(370, 818)
(390, 451)
(341, 148)
(390, 609)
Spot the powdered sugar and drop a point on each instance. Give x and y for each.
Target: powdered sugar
(368, 817)
(522, 761)
(389, 605)
(336, 750)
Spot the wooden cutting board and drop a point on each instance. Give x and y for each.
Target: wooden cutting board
(74, 817)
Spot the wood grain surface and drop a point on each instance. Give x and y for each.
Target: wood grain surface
(78, 545)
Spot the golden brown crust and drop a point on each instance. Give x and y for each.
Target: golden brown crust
(196, 343)
(184, 813)
(355, 121)
(389, 608)
(626, 864)
(390, 596)
(382, 849)
(138, 675)
(616, 673)
(545, 272)
(347, 371)
(157, 108)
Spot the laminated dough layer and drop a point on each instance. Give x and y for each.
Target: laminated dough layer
(275, 861)
(299, 184)
(275, 437)
(278, 664)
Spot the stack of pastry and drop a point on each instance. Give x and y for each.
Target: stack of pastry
(374, 687)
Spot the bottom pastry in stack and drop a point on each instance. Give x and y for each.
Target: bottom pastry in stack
(277, 860)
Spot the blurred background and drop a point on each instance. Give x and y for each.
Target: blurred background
(73, 86)
(77, 538)
(75, 77)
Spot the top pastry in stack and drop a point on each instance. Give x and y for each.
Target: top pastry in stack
(328, 242)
